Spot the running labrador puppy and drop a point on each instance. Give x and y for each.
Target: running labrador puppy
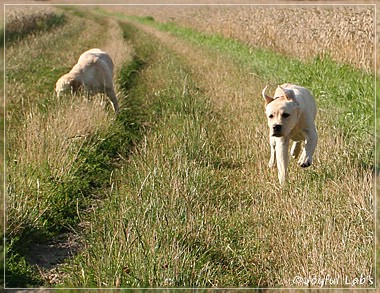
(291, 115)
(93, 73)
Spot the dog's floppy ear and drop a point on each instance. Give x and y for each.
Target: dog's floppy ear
(288, 93)
(75, 85)
(265, 96)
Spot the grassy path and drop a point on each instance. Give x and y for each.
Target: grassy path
(176, 190)
(57, 162)
(196, 205)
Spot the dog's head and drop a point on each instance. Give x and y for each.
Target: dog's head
(67, 84)
(281, 111)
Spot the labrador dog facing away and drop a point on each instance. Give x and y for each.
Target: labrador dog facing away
(93, 73)
(291, 115)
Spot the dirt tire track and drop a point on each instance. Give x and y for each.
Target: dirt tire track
(49, 256)
(241, 109)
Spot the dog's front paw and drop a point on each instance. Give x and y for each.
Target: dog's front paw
(305, 162)
(305, 165)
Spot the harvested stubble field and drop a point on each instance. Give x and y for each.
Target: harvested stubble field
(175, 190)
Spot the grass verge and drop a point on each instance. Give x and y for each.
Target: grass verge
(63, 149)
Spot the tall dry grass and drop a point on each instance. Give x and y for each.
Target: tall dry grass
(46, 149)
(23, 20)
(346, 33)
(56, 138)
(45, 134)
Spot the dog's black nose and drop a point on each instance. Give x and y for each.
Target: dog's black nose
(277, 128)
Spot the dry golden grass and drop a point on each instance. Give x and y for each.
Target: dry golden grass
(48, 145)
(57, 138)
(115, 45)
(346, 33)
(20, 19)
(336, 29)
(46, 137)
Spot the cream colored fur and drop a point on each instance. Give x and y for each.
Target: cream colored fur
(291, 116)
(94, 73)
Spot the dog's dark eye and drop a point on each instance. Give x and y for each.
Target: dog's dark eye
(270, 116)
(285, 115)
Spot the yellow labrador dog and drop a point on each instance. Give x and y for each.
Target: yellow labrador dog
(93, 72)
(291, 115)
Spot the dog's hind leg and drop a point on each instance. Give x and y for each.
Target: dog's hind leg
(306, 158)
(282, 149)
(111, 94)
(296, 148)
